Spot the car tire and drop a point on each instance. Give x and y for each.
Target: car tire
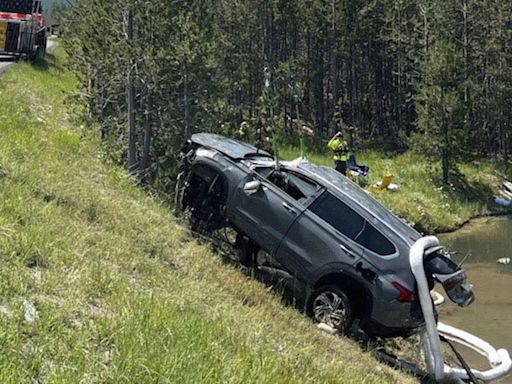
(331, 305)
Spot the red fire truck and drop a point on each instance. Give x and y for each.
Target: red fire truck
(22, 28)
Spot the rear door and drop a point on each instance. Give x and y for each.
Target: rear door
(331, 232)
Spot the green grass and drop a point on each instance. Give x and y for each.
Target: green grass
(123, 293)
(422, 199)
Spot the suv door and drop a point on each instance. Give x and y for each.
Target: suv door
(266, 214)
(329, 232)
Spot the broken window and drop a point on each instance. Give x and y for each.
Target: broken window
(351, 224)
(294, 185)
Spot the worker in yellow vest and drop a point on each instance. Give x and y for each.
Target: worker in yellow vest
(340, 148)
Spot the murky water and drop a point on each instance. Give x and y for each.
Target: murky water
(481, 243)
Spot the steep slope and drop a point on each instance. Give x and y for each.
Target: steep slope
(99, 283)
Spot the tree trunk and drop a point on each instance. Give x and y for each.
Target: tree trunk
(446, 143)
(130, 100)
(186, 105)
(148, 132)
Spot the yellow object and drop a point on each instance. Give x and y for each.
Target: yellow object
(340, 148)
(3, 35)
(386, 180)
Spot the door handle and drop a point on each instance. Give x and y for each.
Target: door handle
(289, 208)
(348, 251)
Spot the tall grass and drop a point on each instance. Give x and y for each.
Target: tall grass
(122, 292)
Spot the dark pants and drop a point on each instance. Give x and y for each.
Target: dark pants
(341, 167)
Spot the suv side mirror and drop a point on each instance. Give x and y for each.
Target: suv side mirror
(252, 187)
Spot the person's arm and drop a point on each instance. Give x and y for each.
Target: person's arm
(334, 142)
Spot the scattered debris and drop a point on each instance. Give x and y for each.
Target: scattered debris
(504, 260)
(384, 184)
(505, 194)
(502, 202)
(31, 314)
(437, 298)
(508, 185)
(326, 328)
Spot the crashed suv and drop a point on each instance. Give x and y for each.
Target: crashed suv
(330, 246)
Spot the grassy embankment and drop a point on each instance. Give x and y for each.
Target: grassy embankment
(421, 200)
(122, 293)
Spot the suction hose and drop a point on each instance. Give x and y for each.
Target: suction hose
(500, 360)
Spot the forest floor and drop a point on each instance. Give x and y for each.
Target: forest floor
(100, 283)
(422, 200)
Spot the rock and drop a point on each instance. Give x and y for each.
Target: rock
(31, 314)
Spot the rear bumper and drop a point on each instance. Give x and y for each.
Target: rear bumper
(373, 328)
(393, 319)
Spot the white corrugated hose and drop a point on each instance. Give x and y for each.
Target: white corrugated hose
(499, 359)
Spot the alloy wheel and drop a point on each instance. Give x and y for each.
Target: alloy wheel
(331, 309)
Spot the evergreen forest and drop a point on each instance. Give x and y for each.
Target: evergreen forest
(430, 76)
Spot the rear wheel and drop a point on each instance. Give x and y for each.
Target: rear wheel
(331, 306)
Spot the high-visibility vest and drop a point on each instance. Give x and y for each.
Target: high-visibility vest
(340, 148)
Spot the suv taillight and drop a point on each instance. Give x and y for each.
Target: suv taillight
(455, 286)
(404, 295)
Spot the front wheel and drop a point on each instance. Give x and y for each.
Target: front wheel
(331, 306)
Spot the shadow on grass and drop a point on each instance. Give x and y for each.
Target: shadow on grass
(470, 192)
(44, 63)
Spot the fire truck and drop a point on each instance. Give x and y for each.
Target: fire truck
(22, 29)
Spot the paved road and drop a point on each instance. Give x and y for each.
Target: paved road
(6, 64)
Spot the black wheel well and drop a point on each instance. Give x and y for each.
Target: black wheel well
(208, 174)
(356, 292)
(205, 196)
